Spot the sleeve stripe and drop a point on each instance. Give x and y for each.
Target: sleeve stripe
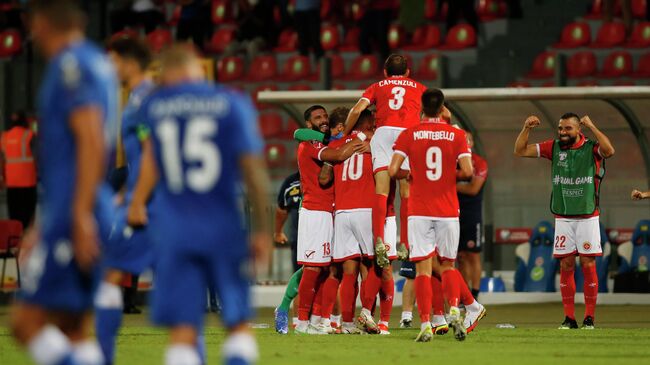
(321, 151)
(538, 151)
(366, 99)
(464, 155)
(398, 152)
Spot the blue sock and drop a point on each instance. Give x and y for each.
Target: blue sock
(200, 348)
(67, 360)
(107, 323)
(236, 361)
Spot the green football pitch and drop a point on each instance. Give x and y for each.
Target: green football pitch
(622, 336)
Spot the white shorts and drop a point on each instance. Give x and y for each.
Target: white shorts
(428, 235)
(314, 237)
(381, 148)
(580, 236)
(353, 235)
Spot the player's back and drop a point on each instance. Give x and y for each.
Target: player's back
(398, 101)
(200, 132)
(354, 183)
(433, 149)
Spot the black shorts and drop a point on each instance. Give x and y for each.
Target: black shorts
(407, 270)
(471, 236)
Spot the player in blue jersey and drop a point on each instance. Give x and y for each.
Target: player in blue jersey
(127, 249)
(76, 105)
(204, 141)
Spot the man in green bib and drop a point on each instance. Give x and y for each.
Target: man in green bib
(577, 169)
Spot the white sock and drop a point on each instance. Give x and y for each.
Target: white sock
(182, 355)
(384, 323)
(301, 324)
(348, 324)
(87, 353)
(49, 346)
(314, 320)
(326, 322)
(241, 345)
(407, 315)
(108, 296)
(366, 312)
(438, 320)
(294, 320)
(474, 307)
(336, 319)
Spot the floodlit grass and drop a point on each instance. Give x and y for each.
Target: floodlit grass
(622, 336)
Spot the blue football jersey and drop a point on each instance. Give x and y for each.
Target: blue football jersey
(80, 75)
(200, 131)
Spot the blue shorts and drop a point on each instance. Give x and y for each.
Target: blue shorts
(128, 249)
(187, 265)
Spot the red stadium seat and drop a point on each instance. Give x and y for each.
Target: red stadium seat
(261, 106)
(222, 11)
(276, 155)
(549, 84)
(337, 66)
(609, 35)
(351, 41)
(363, 67)
(587, 83)
(596, 11)
(424, 38)
(519, 84)
(640, 37)
(356, 11)
(325, 9)
(159, 39)
(221, 39)
(395, 36)
(270, 125)
(339, 87)
(299, 87)
(296, 68)
(291, 127)
(581, 64)
(230, 69)
(431, 10)
(262, 68)
(429, 68)
(329, 37)
(10, 43)
(624, 83)
(287, 41)
(543, 66)
(488, 10)
(574, 35)
(643, 67)
(459, 37)
(639, 8)
(616, 64)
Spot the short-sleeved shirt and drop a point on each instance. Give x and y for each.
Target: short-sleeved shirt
(354, 182)
(545, 150)
(314, 196)
(471, 206)
(289, 199)
(433, 148)
(398, 101)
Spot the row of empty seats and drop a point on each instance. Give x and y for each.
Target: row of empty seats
(597, 9)
(609, 35)
(584, 64)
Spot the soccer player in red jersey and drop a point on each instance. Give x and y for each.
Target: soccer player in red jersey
(315, 224)
(397, 99)
(435, 148)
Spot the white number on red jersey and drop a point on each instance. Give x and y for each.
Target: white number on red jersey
(398, 98)
(434, 163)
(197, 148)
(353, 167)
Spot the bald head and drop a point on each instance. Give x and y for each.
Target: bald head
(180, 63)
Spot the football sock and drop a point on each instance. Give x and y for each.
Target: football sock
(240, 348)
(371, 288)
(423, 296)
(407, 316)
(181, 355)
(475, 293)
(330, 289)
(386, 299)
(451, 288)
(590, 289)
(316, 308)
(108, 318)
(88, 353)
(51, 347)
(568, 291)
(403, 222)
(307, 291)
(438, 320)
(379, 217)
(348, 297)
(291, 291)
(466, 296)
(438, 296)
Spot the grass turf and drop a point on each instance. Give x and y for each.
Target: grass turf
(622, 335)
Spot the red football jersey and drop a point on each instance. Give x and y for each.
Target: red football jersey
(314, 196)
(433, 148)
(398, 101)
(354, 182)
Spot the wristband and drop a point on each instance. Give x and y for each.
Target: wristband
(362, 136)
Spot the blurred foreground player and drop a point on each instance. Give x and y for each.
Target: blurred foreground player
(577, 169)
(77, 101)
(204, 140)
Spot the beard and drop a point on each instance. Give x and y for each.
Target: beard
(568, 142)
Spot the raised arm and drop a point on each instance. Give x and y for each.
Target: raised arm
(606, 147)
(639, 195)
(522, 148)
(356, 110)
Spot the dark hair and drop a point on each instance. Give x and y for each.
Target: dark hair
(338, 116)
(132, 48)
(363, 116)
(309, 110)
(63, 14)
(432, 100)
(570, 116)
(396, 65)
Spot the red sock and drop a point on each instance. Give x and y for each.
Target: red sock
(379, 216)
(348, 297)
(590, 289)
(372, 286)
(330, 289)
(568, 291)
(423, 297)
(386, 299)
(451, 288)
(307, 292)
(466, 296)
(403, 222)
(317, 307)
(438, 297)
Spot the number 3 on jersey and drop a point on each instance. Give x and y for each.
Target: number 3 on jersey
(398, 98)
(197, 149)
